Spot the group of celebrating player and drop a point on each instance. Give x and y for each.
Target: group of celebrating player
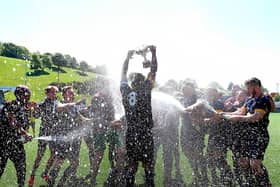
(239, 123)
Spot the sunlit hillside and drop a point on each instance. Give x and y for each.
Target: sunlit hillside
(14, 71)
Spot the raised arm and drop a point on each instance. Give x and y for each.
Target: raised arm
(125, 66)
(152, 74)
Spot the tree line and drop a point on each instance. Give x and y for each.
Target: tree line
(47, 60)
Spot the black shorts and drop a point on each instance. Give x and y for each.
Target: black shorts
(192, 138)
(217, 138)
(239, 141)
(251, 142)
(13, 150)
(140, 146)
(257, 142)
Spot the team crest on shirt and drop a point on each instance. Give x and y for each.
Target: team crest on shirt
(132, 98)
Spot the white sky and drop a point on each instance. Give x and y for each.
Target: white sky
(205, 40)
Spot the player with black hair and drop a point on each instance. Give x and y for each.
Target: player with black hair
(46, 110)
(13, 132)
(67, 138)
(193, 132)
(254, 118)
(136, 100)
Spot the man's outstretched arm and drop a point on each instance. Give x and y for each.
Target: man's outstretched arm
(152, 74)
(125, 66)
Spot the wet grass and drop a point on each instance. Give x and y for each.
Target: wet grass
(272, 162)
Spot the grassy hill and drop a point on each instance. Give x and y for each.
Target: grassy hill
(15, 71)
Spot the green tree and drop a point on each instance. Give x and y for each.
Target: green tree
(83, 66)
(9, 50)
(36, 61)
(1, 47)
(68, 59)
(22, 53)
(14, 51)
(90, 69)
(59, 60)
(71, 62)
(46, 61)
(74, 63)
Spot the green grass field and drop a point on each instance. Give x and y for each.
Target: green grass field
(12, 72)
(272, 162)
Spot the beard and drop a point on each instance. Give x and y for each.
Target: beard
(254, 93)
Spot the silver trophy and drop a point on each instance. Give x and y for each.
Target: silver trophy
(143, 51)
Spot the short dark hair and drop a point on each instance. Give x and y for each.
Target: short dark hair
(253, 82)
(136, 76)
(185, 84)
(22, 90)
(65, 88)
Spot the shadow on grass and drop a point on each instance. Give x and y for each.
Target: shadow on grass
(81, 73)
(60, 70)
(37, 73)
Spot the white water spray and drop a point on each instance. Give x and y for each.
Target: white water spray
(71, 136)
(46, 138)
(166, 100)
(206, 105)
